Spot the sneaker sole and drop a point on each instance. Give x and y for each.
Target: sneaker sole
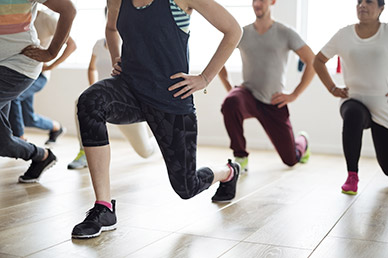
(349, 192)
(244, 171)
(223, 201)
(107, 228)
(74, 168)
(36, 180)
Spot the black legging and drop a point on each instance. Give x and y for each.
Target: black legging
(356, 118)
(112, 101)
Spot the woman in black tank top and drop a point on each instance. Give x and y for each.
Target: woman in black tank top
(152, 83)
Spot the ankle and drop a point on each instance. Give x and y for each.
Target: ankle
(106, 204)
(230, 176)
(45, 156)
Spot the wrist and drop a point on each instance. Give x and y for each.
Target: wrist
(333, 88)
(204, 78)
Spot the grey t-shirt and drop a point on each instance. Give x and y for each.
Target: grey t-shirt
(264, 58)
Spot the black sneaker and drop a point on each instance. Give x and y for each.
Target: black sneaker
(54, 135)
(227, 191)
(36, 169)
(99, 218)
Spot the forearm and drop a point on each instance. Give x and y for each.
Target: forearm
(70, 48)
(323, 74)
(113, 41)
(223, 75)
(92, 76)
(223, 52)
(111, 34)
(306, 79)
(67, 13)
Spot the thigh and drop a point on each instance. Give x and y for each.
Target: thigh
(355, 114)
(380, 141)
(110, 100)
(12, 84)
(240, 100)
(35, 87)
(277, 125)
(177, 139)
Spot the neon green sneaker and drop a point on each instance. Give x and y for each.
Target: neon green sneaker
(243, 161)
(306, 156)
(79, 162)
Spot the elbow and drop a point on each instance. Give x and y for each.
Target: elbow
(72, 12)
(238, 34)
(316, 63)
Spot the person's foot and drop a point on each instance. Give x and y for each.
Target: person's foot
(227, 190)
(350, 186)
(36, 169)
(98, 219)
(243, 161)
(306, 156)
(79, 162)
(53, 135)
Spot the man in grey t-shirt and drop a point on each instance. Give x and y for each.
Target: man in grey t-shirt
(264, 49)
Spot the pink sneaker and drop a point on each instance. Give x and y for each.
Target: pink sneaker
(350, 186)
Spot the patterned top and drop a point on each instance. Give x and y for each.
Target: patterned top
(181, 18)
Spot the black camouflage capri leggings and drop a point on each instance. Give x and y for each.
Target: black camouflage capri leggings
(111, 100)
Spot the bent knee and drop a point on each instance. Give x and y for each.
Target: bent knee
(184, 195)
(290, 163)
(230, 103)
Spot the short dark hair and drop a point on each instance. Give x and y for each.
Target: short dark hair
(381, 2)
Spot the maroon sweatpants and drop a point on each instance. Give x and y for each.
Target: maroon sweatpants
(240, 104)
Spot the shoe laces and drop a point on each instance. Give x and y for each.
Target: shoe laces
(79, 155)
(352, 179)
(94, 213)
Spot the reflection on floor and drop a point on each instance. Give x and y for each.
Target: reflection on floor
(278, 211)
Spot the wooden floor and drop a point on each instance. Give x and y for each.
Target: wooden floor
(278, 211)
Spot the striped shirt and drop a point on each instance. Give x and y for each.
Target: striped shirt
(15, 16)
(181, 18)
(17, 32)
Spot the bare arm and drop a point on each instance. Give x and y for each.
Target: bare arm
(92, 70)
(111, 34)
(67, 12)
(321, 69)
(70, 48)
(307, 56)
(225, 23)
(223, 74)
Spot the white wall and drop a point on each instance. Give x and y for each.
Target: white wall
(316, 111)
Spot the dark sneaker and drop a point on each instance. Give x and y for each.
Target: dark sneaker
(37, 168)
(99, 218)
(227, 191)
(54, 135)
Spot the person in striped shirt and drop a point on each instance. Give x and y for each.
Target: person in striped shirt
(21, 61)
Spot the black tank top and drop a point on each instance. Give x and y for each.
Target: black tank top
(154, 48)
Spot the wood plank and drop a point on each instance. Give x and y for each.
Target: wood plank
(278, 211)
(185, 246)
(350, 248)
(250, 250)
(367, 219)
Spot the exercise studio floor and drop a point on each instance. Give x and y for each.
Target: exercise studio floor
(278, 212)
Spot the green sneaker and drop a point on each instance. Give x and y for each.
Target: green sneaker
(79, 162)
(243, 161)
(306, 156)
